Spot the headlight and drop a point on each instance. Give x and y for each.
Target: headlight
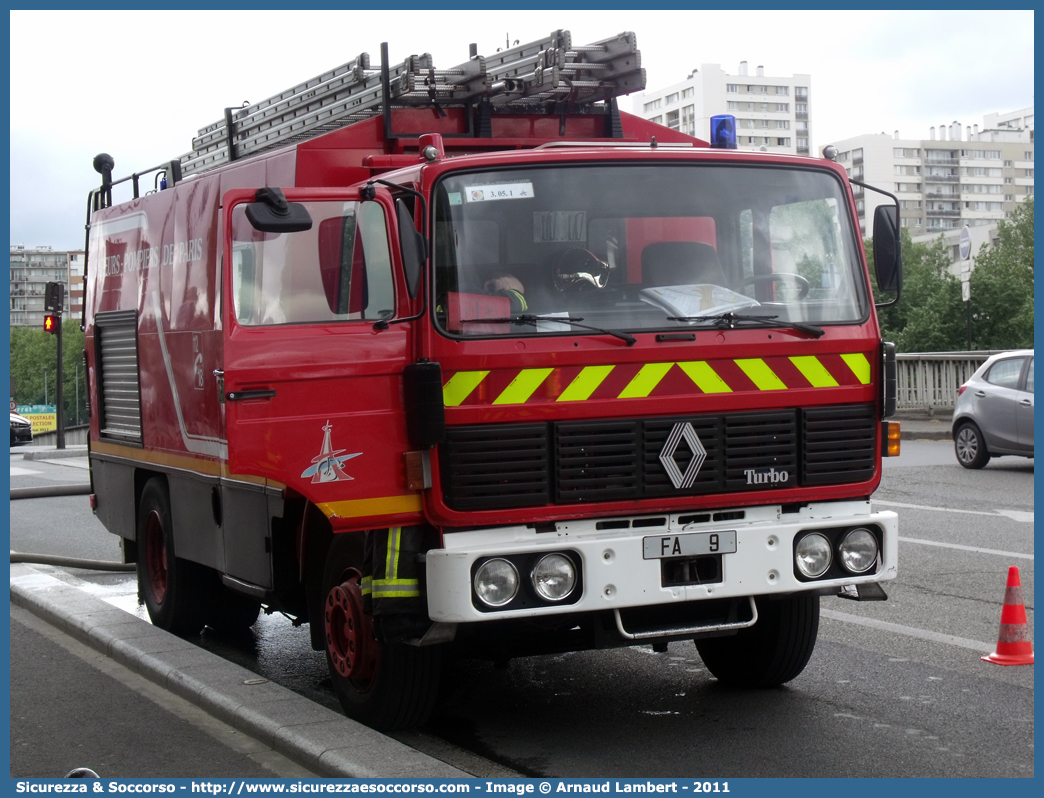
(858, 550)
(554, 577)
(813, 555)
(496, 582)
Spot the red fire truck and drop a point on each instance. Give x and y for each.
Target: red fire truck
(470, 361)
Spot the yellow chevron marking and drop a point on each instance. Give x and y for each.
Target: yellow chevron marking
(760, 374)
(522, 387)
(584, 384)
(814, 371)
(706, 378)
(645, 380)
(860, 366)
(460, 386)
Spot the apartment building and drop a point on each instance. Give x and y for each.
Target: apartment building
(31, 270)
(956, 178)
(772, 113)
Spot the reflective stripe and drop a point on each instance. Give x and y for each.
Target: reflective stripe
(396, 588)
(585, 383)
(860, 366)
(645, 380)
(367, 585)
(802, 372)
(391, 559)
(706, 378)
(814, 371)
(522, 387)
(761, 375)
(460, 386)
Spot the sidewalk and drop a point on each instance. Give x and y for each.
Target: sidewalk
(72, 708)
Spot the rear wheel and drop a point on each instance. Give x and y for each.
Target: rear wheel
(387, 686)
(174, 590)
(770, 653)
(969, 446)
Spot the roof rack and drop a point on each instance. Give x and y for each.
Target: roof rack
(549, 75)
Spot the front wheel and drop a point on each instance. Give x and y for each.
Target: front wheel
(969, 446)
(770, 653)
(387, 686)
(174, 590)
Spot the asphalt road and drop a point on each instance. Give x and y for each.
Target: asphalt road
(894, 689)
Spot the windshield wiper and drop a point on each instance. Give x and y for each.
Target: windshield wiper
(529, 318)
(730, 320)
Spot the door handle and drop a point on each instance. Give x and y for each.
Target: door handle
(980, 393)
(238, 396)
(1026, 403)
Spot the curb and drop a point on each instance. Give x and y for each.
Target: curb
(924, 435)
(54, 454)
(315, 737)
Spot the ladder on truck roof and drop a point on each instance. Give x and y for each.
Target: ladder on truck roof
(550, 75)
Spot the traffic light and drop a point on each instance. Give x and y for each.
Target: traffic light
(52, 322)
(54, 297)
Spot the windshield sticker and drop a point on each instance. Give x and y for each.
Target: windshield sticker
(499, 191)
(455, 198)
(554, 226)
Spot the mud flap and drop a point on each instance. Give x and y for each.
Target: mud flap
(393, 581)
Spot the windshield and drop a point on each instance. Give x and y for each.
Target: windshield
(637, 247)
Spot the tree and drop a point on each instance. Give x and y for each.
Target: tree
(34, 353)
(1002, 285)
(930, 315)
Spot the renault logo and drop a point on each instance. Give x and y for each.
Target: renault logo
(699, 454)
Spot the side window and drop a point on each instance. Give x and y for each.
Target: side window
(339, 270)
(1005, 373)
(1029, 378)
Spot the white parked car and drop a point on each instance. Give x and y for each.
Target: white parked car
(994, 412)
(21, 429)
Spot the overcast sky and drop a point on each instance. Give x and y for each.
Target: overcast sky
(138, 85)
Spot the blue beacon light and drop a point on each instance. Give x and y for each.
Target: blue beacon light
(723, 131)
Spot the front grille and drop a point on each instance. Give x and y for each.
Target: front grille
(495, 466)
(569, 462)
(595, 461)
(839, 444)
(761, 446)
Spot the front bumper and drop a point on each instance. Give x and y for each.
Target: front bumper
(616, 576)
(21, 433)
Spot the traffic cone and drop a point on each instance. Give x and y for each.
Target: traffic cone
(1014, 646)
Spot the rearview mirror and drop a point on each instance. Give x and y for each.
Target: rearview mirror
(271, 213)
(888, 254)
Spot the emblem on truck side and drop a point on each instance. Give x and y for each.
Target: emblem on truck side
(326, 466)
(679, 432)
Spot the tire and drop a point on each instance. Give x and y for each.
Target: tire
(387, 686)
(970, 446)
(174, 590)
(770, 653)
(228, 612)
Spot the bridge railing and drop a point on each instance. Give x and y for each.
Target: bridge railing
(928, 381)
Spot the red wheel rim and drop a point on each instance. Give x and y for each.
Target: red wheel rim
(155, 557)
(350, 640)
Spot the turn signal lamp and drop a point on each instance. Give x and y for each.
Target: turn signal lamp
(890, 439)
(51, 323)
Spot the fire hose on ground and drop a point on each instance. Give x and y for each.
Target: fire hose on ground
(53, 559)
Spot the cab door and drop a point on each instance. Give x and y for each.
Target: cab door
(312, 379)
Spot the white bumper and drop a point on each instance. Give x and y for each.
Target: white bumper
(616, 576)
